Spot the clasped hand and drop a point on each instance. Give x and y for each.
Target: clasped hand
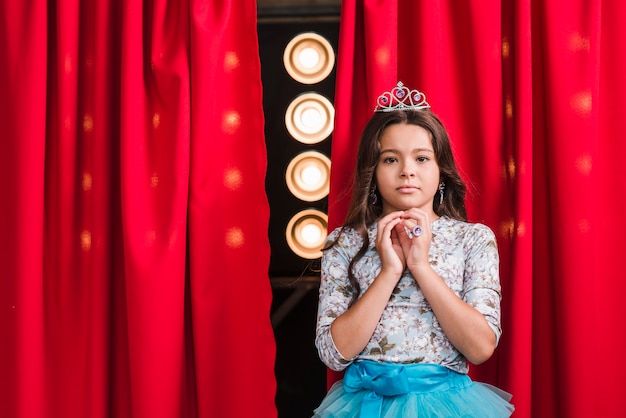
(397, 246)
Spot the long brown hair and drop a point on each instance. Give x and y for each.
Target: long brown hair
(362, 213)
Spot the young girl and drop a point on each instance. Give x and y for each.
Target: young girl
(409, 289)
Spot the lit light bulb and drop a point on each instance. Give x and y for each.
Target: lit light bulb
(309, 57)
(311, 234)
(311, 176)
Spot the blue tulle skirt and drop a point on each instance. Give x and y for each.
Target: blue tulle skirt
(383, 390)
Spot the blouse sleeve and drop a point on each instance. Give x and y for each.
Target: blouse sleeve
(481, 288)
(334, 299)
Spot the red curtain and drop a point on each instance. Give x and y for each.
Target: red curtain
(134, 220)
(578, 112)
(532, 95)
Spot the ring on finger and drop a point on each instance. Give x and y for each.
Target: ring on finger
(417, 231)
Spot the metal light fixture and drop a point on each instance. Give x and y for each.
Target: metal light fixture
(310, 118)
(308, 176)
(309, 58)
(306, 233)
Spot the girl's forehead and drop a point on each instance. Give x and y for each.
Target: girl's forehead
(405, 135)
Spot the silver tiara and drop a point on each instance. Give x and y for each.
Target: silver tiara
(401, 98)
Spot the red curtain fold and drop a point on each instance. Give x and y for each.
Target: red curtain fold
(578, 91)
(610, 180)
(24, 45)
(228, 216)
(134, 244)
(514, 359)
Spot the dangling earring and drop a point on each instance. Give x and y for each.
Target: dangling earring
(373, 197)
(442, 188)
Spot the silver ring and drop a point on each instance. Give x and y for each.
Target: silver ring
(417, 230)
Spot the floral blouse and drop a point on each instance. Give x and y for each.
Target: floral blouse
(464, 254)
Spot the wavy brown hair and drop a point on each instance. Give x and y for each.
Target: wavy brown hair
(362, 213)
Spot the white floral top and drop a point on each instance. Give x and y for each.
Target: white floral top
(465, 255)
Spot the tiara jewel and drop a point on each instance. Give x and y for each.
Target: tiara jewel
(401, 98)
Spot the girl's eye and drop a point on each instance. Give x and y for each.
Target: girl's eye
(422, 159)
(390, 160)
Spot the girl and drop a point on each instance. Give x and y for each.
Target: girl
(409, 289)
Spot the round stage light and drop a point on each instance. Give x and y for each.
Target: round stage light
(306, 233)
(310, 118)
(309, 58)
(308, 176)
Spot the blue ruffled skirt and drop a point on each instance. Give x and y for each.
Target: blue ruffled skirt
(383, 390)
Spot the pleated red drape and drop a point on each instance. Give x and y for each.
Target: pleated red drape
(134, 220)
(531, 94)
(579, 178)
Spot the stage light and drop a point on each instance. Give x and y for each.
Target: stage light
(298, 71)
(309, 58)
(308, 176)
(310, 118)
(306, 233)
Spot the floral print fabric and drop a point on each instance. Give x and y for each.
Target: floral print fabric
(464, 254)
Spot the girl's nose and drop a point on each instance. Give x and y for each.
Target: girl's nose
(407, 171)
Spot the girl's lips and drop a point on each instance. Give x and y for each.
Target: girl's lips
(407, 189)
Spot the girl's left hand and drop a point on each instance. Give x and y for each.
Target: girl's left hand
(415, 248)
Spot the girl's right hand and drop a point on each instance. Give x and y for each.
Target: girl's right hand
(388, 244)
